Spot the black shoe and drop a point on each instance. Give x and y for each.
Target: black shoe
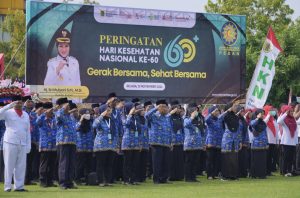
(8, 190)
(21, 190)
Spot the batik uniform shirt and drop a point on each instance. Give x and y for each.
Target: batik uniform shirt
(132, 137)
(66, 129)
(215, 130)
(84, 141)
(260, 141)
(161, 128)
(231, 140)
(107, 137)
(192, 136)
(2, 130)
(47, 128)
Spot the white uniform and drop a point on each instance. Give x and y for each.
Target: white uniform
(69, 75)
(271, 138)
(286, 138)
(16, 145)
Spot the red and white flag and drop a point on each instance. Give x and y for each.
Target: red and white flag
(264, 73)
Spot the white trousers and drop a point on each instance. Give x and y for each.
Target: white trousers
(14, 164)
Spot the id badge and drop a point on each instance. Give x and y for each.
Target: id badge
(197, 130)
(136, 134)
(109, 136)
(178, 132)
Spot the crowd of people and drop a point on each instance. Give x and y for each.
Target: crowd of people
(131, 141)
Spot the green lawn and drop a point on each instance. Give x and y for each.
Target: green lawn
(275, 186)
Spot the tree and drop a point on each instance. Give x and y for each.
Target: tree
(14, 25)
(260, 15)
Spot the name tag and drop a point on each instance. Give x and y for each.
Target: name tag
(109, 136)
(178, 132)
(197, 130)
(136, 134)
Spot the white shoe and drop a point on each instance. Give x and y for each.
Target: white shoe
(288, 175)
(210, 178)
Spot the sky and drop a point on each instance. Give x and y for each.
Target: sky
(177, 5)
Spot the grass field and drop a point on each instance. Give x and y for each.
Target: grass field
(275, 186)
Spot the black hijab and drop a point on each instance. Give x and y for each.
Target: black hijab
(177, 122)
(260, 125)
(85, 126)
(232, 121)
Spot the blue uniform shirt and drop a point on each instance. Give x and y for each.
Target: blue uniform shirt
(66, 131)
(260, 141)
(47, 129)
(214, 130)
(84, 141)
(192, 136)
(231, 140)
(134, 130)
(107, 137)
(161, 128)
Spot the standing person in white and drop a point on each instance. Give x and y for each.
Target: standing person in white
(16, 144)
(272, 133)
(289, 138)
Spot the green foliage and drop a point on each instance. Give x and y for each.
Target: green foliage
(260, 15)
(14, 25)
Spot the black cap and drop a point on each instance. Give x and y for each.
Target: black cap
(25, 98)
(38, 105)
(147, 103)
(61, 101)
(95, 105)
(135, 100)
(161, 102)
(47, 105)
(64, 36)
(174, 103)
(113, 94)
(72, 105)
(16, 98)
